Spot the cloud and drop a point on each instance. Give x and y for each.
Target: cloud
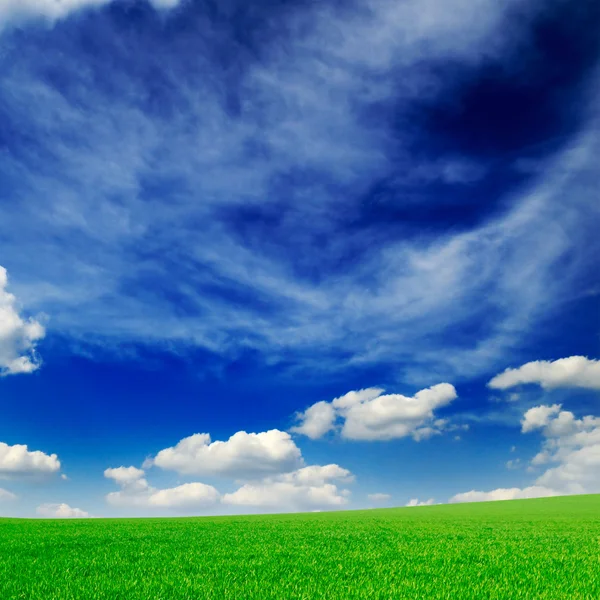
(577, 472)
(6, 495)
(316, 420)
(108, 269)
(136, 492)
(187, 495)
(416, 502)
(378, 497)
(570, 452)
(17, 461)
(60, 511)
(54, 10)
(574, 371)
(571, 445)
(305, 489)
(504, 494)
(538, 416)
(369, 414)
(244, 455)
(124, 475)
(18, 337)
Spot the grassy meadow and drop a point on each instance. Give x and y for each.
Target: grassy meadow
(543, 548)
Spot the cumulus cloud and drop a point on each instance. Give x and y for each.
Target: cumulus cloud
(136, 492)
(18, 336)
(316, 420)
(5, 495)
(18, 460)
(504, 494)
(369, 414)
(571, 446)
(60, 511)
(188, 495)
(378, 497)
(417, 502)
(538, 416)
(570, 453)
(574, 371)
(308, 488)
(54, 10)
(244, 455)
(124, 475)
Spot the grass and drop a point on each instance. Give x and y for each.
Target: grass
(538, 549)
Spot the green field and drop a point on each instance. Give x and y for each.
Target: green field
(546, 548)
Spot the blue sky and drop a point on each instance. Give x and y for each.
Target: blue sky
(278, 256)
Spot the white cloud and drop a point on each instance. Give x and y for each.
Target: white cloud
(416, 502)
(53, 10)
(60, 511)
(6, 495)
(244, 455)
(572, 445)
(504, 494)
(513, 464)
(371, 415)
(378, 497)
(18, 337)
(570, 452)
(394, 415)
(574, 371)
(355, 398)
(578, 471)
(538, 416)
(124, 475)
(316, 475)
(188, 495)
(136, 492)
(541, 458)
(17, 460)
(316, 420)
(305, 489)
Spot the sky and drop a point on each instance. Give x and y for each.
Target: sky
(282, 256)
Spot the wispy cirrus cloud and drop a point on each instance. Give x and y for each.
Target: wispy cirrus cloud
(17, 11)
(233, 208)
(379, 497)
(6, 496)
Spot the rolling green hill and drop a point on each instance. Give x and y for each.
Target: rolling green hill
(538, 549)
